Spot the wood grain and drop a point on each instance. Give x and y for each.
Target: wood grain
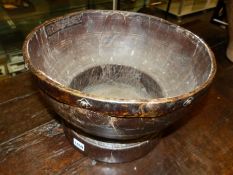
(203, 145)
(21, 107)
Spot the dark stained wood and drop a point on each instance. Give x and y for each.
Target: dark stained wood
(170, 49)
(21, 108)
(223, 62)
(201, 144)
(43, 150)
(19, 86)
(163, 70)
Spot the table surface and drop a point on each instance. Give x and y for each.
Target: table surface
(33, 142)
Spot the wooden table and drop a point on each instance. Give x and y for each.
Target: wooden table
(32, 142)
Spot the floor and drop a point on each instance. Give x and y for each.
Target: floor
(32, 142)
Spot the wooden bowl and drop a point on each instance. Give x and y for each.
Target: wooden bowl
(118, 75)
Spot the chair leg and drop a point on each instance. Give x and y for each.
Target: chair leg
(168, 8)
(230, 30)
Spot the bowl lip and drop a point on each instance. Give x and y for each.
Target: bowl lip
(73, 92)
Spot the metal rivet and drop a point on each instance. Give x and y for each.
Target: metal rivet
(84, 103)
(188, 101)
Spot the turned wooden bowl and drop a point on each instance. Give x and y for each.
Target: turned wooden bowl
(118, 75)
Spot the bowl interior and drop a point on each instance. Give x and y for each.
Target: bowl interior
(117, 81)
(120, 55)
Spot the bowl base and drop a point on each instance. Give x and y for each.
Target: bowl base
(110, 151)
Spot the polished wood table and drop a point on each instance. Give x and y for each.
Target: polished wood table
(32, 142)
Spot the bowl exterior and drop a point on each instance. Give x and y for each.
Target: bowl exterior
(120, 128)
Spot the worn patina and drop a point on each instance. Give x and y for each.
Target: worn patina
(167, 65)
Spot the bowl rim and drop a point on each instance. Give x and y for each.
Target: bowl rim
(73, 92)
